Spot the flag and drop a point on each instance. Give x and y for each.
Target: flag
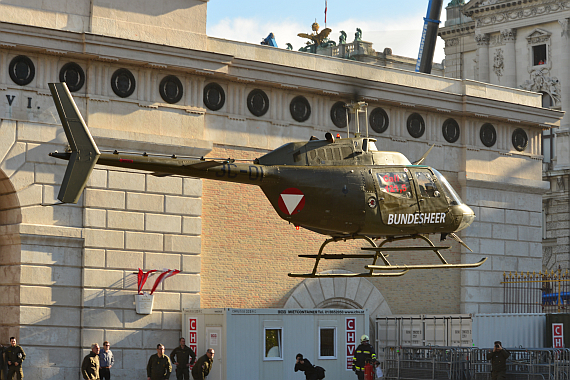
(142, 277)
(325, 12)
(163, 276)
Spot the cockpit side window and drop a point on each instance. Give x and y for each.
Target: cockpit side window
(395, 183)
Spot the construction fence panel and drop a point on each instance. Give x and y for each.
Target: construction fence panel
(467, 363)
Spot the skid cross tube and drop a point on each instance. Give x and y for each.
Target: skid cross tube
(320, 256)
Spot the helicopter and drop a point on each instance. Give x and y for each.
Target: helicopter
(344, 188)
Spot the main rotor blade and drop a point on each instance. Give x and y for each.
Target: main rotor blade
(418, 162)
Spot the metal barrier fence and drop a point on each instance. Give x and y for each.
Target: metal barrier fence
(547, 292)
(465, 363)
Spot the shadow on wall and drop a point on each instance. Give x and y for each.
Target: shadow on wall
(10, 258)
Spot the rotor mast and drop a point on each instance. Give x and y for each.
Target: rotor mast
(356, 108)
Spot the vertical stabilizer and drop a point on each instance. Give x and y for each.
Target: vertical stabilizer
(84, 151)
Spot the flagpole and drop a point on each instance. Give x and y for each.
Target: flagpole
(325, 13)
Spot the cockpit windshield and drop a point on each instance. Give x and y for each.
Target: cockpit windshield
(450, 194)
(372, 146)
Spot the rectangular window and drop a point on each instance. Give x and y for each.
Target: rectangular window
(273, 344)
(538, 55)
(395, 183)
(548, 145)
(327, 343)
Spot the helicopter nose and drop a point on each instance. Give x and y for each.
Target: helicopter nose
(467, 216)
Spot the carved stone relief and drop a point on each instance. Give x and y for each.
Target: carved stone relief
(482, 39)
(540, 81)
(508, 35)
(452, 42)
(545, 8)
(498, 63)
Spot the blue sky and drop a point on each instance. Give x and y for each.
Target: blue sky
(386, 23)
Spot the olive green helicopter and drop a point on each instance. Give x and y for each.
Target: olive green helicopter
(343, 188)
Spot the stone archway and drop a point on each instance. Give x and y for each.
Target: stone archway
(340, 293)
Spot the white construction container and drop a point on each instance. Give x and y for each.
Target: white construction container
(464, 330)
(263, 343)
(424, 330)
(525, 330)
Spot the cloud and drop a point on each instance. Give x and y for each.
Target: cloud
(401, 35)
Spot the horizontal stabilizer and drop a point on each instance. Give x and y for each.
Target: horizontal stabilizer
(84, 151)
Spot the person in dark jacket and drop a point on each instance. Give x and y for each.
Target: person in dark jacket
(303, 364)
(159, 366)
(363, 354)
(203, 366)
(2, 364)
(498, 358)
(90, 365)
(181, 357)
(14, 356)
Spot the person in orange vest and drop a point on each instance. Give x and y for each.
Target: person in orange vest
(364, 354)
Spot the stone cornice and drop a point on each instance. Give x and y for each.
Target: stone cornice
(308, 73)
(486, 14)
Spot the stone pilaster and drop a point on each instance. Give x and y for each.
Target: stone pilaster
(483, 56)
(565, 74)
(509, 37)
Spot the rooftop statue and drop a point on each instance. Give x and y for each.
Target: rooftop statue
(454, 3)
(316, 37)
(358, 35)
(342, 38)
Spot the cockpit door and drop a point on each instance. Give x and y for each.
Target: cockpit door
(396, 195)
(429, 193)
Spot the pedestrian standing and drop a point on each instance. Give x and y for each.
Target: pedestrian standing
(90, 365)
(364, 354)
(14, 356)
(498, 358)
(181, 357)
(106, 361)
(203, 366)
(159, 366)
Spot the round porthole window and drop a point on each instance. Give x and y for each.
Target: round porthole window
(258, 102)
(300, 108)
(123, 83)
(73, 75)
(170, 89)
(450, 130)
(22, 70)
(214, 96)
(488, 135)
(416, 125)
(379, 120)
(520, 139)
(338, 114)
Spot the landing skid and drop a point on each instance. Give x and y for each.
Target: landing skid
(379, 254)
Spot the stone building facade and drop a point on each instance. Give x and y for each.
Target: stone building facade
(526, 45)
(148, 80)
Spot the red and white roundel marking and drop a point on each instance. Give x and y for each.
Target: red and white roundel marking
(291, 201)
